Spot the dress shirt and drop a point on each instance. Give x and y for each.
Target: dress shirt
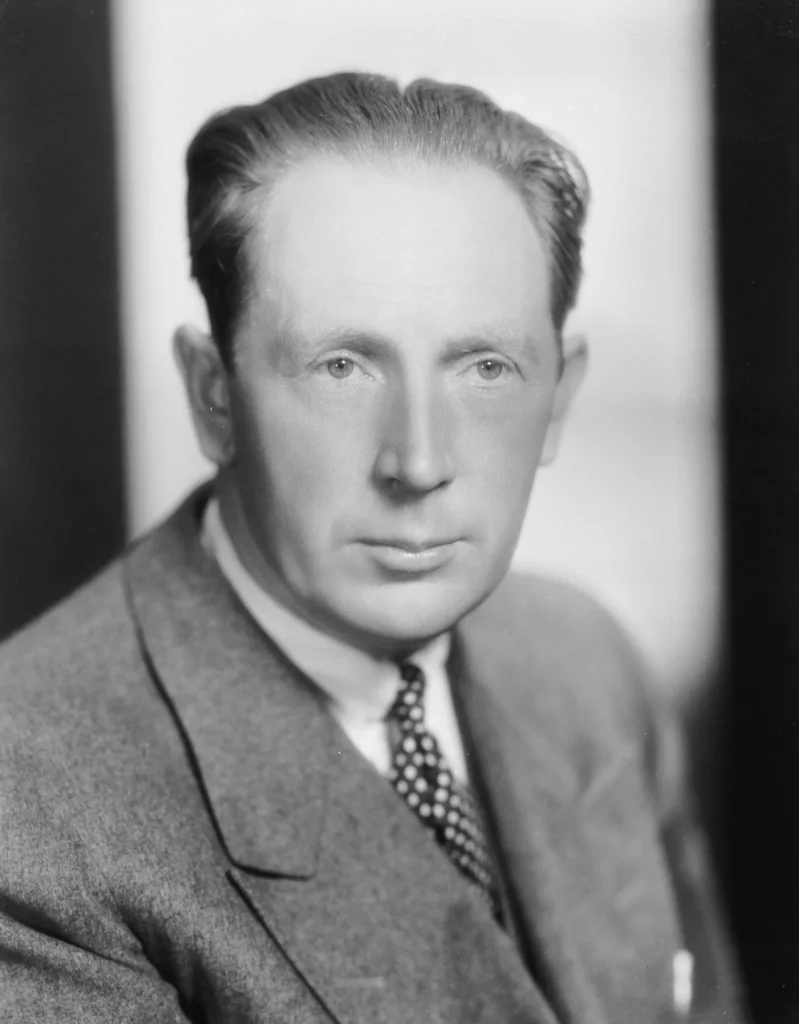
(360, 688)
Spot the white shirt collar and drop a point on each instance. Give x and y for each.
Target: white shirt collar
(362, 687)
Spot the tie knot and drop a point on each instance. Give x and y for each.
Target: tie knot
(411, 674)
(408, 705)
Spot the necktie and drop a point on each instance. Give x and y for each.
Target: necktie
(421, 776)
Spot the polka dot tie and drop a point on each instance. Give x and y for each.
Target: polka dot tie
(423, 779)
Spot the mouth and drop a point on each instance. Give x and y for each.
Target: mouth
(410, 556)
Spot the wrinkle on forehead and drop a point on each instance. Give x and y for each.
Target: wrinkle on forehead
(336, 242)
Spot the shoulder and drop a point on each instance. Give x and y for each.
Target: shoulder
(86, 732)
(71, 637)
(563, 656)
(75, 678)
(525, 598)
(60, 678)
(559, 626)
(85, 652)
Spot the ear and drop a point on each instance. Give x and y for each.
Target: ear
(575, 365)
(207, 389)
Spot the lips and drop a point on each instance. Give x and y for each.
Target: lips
(401, 555)
(413, 546)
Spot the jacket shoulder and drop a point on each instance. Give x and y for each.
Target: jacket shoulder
(565, 653)
(555, 621)
(90, 609)
(65, 665)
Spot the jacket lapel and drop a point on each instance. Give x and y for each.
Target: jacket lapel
(386, 925)
(235, 697)
(572, 823)
(338, 870)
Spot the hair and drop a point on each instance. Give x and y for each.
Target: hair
(239, 153)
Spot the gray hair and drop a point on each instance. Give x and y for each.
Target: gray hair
(240, 152)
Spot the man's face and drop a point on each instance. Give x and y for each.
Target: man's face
(396, 368)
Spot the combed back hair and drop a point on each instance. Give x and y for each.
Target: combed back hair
(239, 153)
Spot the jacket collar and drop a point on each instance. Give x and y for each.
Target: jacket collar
(565, 807)
(244, 710)
(543, 711)
(324, 853)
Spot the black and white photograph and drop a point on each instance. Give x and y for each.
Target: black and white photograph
(399, 489)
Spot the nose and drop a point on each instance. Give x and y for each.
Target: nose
(416, 454)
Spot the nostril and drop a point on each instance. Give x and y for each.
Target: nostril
(415, 455)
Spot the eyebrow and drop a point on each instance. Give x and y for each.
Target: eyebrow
(373, 342)
(491, 338)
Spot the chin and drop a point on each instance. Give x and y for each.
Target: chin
(408, 613)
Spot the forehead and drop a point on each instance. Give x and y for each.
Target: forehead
(400, 249)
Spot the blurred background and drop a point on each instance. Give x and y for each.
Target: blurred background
(676, 495)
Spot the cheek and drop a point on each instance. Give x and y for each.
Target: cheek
(304, 462)
(501, 445)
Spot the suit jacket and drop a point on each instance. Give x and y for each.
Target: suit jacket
(187, 833)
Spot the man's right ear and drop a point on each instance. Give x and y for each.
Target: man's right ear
(207, 389)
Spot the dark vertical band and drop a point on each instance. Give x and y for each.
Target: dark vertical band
(61, 467)
(756, 64)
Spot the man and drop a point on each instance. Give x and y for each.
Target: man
(304, 753)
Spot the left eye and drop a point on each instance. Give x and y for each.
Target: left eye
(340, 367)
(490, 369)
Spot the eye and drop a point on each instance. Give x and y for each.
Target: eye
(340, 367)
(490, 369)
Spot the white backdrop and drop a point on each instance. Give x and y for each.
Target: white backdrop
(630, 508)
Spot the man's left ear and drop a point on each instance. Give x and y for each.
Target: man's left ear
(575, 365)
